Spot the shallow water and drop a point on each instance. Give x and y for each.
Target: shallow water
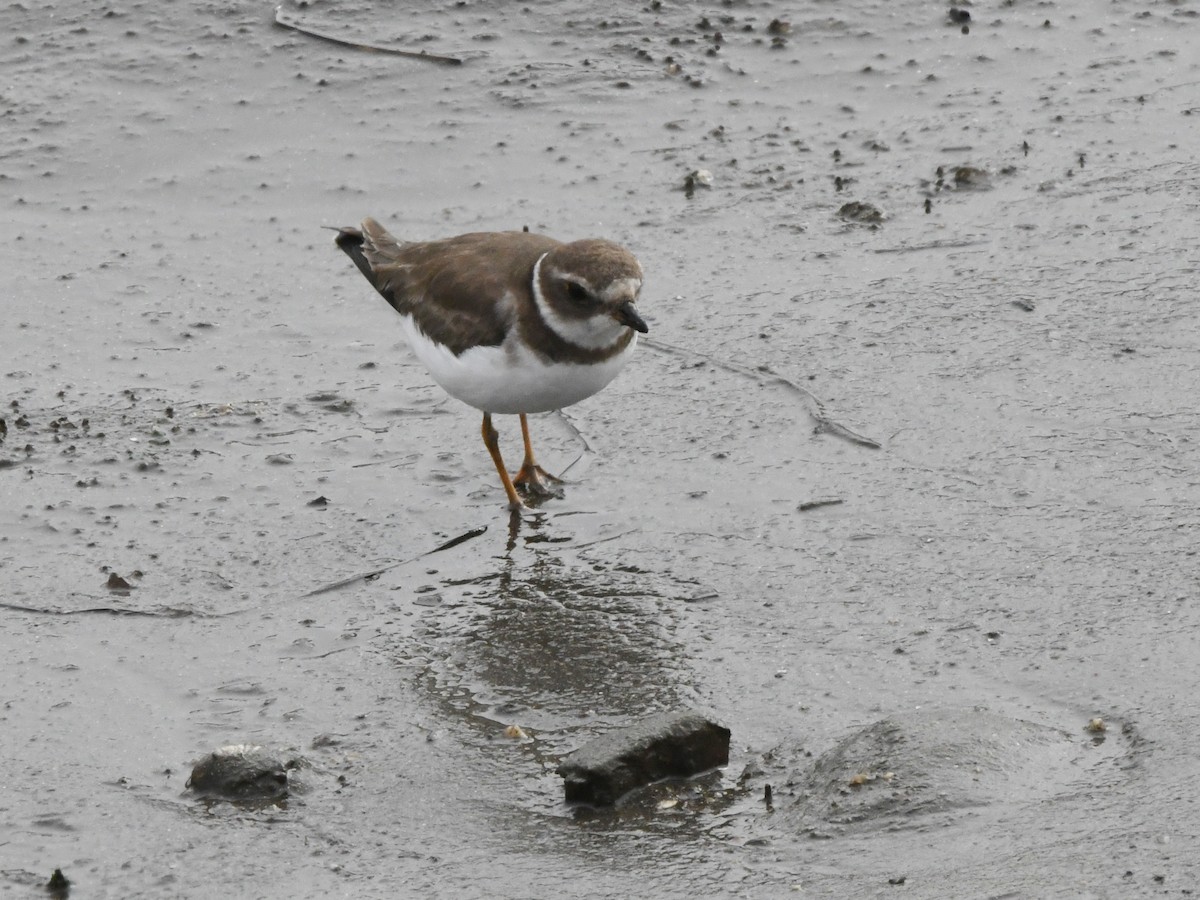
(1023, 542)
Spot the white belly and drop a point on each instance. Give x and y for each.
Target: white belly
(509, 378)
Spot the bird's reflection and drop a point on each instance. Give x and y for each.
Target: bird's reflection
(552, 636)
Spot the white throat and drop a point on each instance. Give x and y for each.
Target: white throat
(593, 333)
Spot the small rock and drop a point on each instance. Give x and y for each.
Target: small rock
(863, 213)
(240, 772)
(667, 745)
(972, 177)
(698, 178)
(59, 886)
(117, 583)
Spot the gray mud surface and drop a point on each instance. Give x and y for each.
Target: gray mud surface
(189, 366)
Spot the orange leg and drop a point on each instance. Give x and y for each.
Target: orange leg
(491, 440)
(532, 477)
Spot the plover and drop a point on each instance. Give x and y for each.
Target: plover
(508, 322)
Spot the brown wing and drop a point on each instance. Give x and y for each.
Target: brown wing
(459, 291)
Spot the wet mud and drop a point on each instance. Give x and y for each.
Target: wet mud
(906, 487)
(930, 769)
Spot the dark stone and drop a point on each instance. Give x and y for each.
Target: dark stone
(241, 772)
(667, 745)
(861, 212)
(118, 584)
(59, 886)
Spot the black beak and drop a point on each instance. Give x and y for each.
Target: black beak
(627, 315)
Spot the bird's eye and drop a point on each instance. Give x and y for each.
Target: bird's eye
(577, 292)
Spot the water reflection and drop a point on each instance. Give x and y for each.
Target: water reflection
(550, 635)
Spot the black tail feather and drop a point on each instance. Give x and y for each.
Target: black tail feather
(350, 241)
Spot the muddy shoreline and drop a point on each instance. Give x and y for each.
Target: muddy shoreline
(205, 401)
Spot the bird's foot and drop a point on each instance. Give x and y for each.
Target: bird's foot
(536, 482)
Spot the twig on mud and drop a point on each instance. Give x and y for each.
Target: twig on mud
(765, 377)
(375, 573)
(587, 448)
(930, 245)
(162, 612)
(386, 462)
(333, 39)
(809, 505)
(604, 540)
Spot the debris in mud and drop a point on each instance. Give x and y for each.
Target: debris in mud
(858, 779)
(958, 16)
(970, 177)
(862, 213)
(59, 886)
(375, 573)
(764, 376)
(695, 179)
(241, 772)
(118, 584)
(320, 502)
(331, 401)
(667, 745)
(284, 20)
(808, 505)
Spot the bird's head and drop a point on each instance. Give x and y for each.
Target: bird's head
(588, 290)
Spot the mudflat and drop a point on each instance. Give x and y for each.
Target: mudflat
(963, 660)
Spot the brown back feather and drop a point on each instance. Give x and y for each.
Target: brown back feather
(467, 274)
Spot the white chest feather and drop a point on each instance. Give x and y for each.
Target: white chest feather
(510, 378)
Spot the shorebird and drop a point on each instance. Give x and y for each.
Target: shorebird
(508, 322)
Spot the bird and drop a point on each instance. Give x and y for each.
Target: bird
(509, 322)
